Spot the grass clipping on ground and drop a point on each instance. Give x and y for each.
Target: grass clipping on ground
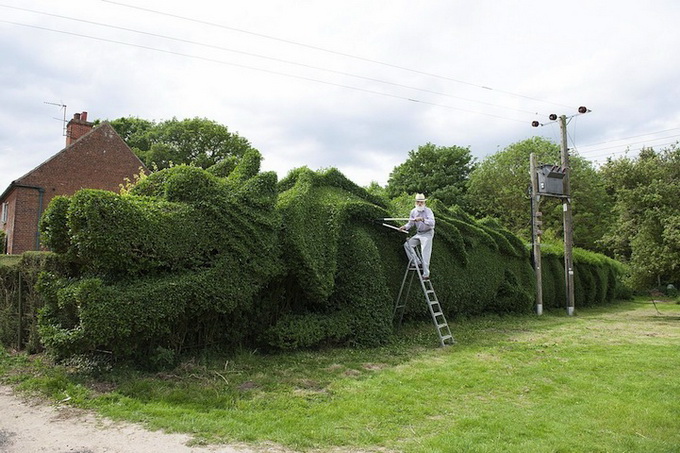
(604, 380)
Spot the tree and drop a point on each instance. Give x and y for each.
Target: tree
(197, 141)
(437, 171)
(134, 131)
(499, 187)
(646, 233)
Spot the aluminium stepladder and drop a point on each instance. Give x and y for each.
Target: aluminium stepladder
(442, 327)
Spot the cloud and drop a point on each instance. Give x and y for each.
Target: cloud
(366, 82)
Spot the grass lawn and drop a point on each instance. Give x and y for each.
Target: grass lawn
(605, 380)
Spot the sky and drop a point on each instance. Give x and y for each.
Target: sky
(354, 85)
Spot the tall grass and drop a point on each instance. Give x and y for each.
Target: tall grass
(605, 380)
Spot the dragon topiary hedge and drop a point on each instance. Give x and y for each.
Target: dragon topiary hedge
(179, 262)
(229, 256)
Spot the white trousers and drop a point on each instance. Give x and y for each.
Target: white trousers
(425, 242)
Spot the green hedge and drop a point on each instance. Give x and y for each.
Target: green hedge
(346, 268)
(477, 267)
(597, 278)
(335, 289)
(179, 262)
(190, 258)
(20, 301)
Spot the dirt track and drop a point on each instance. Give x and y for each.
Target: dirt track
(31, 426)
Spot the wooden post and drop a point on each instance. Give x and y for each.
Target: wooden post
(20, 310)
(536, 233)
(568, 225)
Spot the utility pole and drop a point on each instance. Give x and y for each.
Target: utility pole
(568, 225)
(536, 233)
(563, 192)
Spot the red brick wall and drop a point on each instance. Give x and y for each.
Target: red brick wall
(99, 160)
(22, 220)
(8, 226)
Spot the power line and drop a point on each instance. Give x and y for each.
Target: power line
(213, 60)
(629, 150)
(280, 60)
(628, 144)
(321, 49)
(633, 136)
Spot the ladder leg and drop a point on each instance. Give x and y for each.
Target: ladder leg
(436, 312)
(435, 309)
(402, 298)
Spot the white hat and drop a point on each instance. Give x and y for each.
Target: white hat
(420, 197)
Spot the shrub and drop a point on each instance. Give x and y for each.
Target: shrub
(179, 262)
(189, 258)
(349, 268)
(335, 288)
(597, 278)
(20, 301)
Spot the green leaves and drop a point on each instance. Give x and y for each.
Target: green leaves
(646, 192)
(180, 260)
(188, 258)
(437, 171)
(499, 186)
(196, 141)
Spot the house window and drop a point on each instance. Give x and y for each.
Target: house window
(5, 209)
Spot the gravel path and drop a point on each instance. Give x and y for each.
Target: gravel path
(32, 426)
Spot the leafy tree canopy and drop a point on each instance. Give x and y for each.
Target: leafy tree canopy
(499, 187)
(197, 141)
(646, 232)
(438, 171)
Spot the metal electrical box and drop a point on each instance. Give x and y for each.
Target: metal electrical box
(551, 179)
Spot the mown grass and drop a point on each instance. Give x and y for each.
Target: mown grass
(606, 380)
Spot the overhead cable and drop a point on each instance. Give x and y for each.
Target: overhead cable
(294, 76)
(280, 60)
(321, 49)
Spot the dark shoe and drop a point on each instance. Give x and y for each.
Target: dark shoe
(426, 278)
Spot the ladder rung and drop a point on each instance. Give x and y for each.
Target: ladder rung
(436, 311)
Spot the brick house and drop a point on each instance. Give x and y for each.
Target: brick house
(94, 158)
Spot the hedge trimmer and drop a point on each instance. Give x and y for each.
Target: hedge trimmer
(384, 219)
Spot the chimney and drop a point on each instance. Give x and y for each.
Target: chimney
(77, 127)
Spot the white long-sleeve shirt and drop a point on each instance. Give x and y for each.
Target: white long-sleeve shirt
(422, 227)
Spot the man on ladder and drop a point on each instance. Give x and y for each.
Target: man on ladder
(422, 218)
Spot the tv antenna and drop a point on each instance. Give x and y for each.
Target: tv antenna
(63, 120)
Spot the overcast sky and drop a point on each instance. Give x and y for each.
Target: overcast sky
(348, 84)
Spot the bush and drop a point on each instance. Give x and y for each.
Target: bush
(189, 258)
(20, 302)
(179, 262)
(346, 269)
(335, 287)
(597, 278)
